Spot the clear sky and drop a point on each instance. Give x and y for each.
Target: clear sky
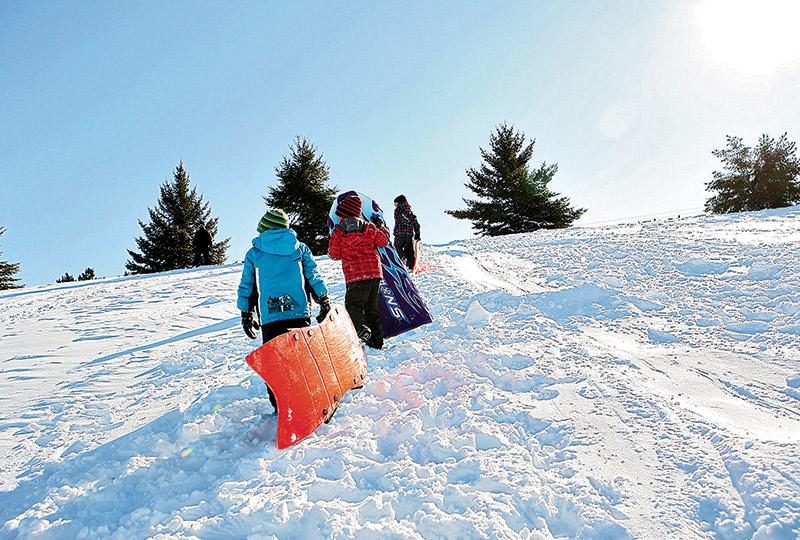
(100, 100)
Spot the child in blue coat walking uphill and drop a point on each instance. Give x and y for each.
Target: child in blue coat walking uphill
(275, 271)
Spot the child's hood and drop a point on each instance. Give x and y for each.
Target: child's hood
(352, 224)
(277, 242)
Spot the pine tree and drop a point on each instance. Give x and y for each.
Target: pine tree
(303, 193)
(7, 272)
(767, 176)
(167, 241)
(66, 278)
(86, 275)
(513, 198)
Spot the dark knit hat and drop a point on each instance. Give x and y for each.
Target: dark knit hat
(401, 199)
(275, 218)
(349, 207)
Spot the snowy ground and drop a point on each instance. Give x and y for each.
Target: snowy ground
(630, 381)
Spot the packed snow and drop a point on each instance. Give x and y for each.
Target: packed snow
(639, 380)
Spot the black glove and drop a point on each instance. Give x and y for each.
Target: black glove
(417, 238)
(249, 324)
(377, 221)
(324, 308)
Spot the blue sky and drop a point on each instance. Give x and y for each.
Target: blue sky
(101, 100)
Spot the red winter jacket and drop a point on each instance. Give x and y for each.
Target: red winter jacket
(355, 242)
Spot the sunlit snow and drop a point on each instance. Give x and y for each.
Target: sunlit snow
(636, 380)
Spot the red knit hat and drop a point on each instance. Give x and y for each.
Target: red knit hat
(349, 207)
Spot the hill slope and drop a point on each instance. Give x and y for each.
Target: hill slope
(635, 380)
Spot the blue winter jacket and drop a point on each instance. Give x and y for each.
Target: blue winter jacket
(275, 269)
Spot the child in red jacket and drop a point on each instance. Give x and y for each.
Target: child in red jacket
(355, 242)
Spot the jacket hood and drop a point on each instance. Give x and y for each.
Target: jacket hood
(277, 242)
(352, 224)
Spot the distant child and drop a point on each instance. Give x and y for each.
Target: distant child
(202, 243)
(406, 231)
(355, 242)
(275, 271)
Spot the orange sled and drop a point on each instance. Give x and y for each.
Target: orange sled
(417, 254)
(309, 370)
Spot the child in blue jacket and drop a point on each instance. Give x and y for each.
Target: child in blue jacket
(275, 271)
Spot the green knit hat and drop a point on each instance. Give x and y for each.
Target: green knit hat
(275, 218)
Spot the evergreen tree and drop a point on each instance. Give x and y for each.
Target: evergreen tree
(512, 197)
(303, 193)
(86, 275)
(167, 241)
(7, 272)
(767, 176)
(66, 278)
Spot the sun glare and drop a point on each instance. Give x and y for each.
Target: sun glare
(752, 36)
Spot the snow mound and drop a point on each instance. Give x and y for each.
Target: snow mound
(701, 267)
(657, 336)
(477, 315)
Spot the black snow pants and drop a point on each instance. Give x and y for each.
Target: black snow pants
(202, 256)
(361, 302)
(275, 329)
(404, 244)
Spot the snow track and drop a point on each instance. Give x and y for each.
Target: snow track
(630, 381)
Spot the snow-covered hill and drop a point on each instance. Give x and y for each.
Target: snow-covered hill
(629, 381)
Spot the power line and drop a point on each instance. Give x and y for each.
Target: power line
(628, 218)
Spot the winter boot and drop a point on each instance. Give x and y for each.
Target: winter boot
(272, 401)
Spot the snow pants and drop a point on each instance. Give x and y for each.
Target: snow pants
(202, 256)
(275, 329)
(361, 302)
(404, 245)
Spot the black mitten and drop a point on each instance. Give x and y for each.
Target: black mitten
(324, 308)
(249, 324)
(378, 221)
